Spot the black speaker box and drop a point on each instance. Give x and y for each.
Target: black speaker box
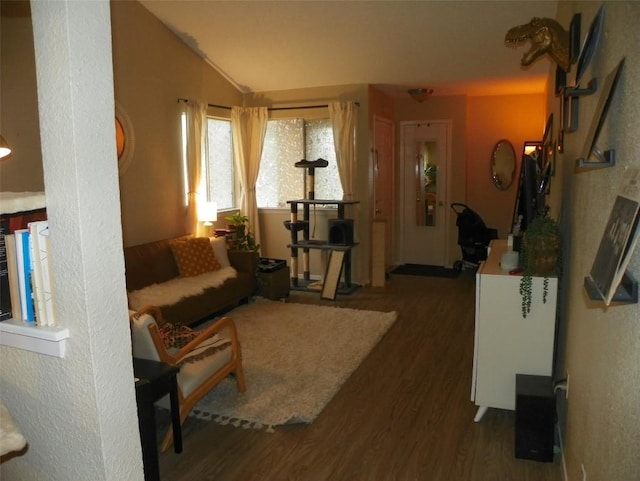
(341, 231)
(535, 418)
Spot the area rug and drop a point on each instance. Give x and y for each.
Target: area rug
(295, 358)
(426, 271)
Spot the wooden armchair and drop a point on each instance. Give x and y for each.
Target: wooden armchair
(203, 361)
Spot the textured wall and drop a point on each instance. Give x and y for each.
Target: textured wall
(152, 70)
(600, 347)
(78, 414)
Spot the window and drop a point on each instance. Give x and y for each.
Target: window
(286, 142)
(218, 168)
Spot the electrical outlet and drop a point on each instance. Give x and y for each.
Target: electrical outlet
(584, 473)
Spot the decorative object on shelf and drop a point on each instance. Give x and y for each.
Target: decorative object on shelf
(607, 280)
(5, 150)
(541, 256)
(603, 158)
(546, 36)
(547, 159)
(574, 51)
(571, 94)
(420, 94)
(591, 41)
(242, 238)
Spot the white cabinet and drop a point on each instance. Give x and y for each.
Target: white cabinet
(505, 343)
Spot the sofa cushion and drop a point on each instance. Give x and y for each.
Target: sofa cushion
(194, 256)
(150, 263)
(219, 245)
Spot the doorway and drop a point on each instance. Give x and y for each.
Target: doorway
(426, 159)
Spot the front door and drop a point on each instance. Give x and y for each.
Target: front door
(425, 166)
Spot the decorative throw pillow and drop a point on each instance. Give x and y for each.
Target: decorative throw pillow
(176, 336)
(194, 256)
(219, 245)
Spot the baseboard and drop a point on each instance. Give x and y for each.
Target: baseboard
(564, 464)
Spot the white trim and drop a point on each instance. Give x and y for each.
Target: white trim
(50, 341)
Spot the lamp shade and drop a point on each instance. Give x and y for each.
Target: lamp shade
(208, 212)
(4, 147)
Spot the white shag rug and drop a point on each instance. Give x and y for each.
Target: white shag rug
(295, 358)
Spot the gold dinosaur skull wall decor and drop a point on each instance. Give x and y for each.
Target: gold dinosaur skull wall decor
(546, 36)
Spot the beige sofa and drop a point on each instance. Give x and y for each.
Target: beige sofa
(153, 263)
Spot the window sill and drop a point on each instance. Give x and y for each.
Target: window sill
(50, 341)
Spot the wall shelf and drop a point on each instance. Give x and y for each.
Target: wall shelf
(50, 341)
(626, 292)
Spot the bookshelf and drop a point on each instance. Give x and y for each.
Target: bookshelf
(17, 209)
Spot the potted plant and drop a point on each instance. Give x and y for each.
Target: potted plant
(242, 238)
(541, 256)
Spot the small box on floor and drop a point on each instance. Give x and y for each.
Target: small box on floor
(535, 418)
(270, 265)
(273, 279)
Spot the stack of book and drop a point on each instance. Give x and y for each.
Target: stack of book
(25, 284)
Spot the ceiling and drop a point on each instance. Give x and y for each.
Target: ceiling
(454, 47)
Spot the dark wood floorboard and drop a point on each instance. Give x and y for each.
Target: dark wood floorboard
(405, 414)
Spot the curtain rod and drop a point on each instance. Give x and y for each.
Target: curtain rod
(272, 108)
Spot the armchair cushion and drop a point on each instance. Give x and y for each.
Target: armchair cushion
(204, 360)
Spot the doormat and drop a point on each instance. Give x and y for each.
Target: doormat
(426, 271)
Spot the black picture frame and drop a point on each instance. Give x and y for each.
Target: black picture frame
(589, 46)
(603, 158)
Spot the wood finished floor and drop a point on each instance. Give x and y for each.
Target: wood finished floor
(404, 415)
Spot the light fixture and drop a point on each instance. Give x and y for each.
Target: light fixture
(208, 213)
(4, 148)
(419, 94)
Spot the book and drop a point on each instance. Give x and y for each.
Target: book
(41, 272)
(24, 275)
(619, 239)
(12, 268)
(5, 295)
(36, 274)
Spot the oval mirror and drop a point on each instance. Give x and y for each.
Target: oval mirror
(503, 165)
(125, 140)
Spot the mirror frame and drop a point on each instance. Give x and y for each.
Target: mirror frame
(125, 158)
(502, 184)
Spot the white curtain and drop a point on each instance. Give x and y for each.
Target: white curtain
(343, 119)
(248, 127)
(196, 130)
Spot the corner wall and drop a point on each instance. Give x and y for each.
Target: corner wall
(153, 68)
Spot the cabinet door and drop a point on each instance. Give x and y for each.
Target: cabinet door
(507, 343)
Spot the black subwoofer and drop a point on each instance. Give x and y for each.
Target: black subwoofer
(341, 231)
(535, 418)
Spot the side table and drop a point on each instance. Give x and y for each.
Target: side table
(155, 380)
